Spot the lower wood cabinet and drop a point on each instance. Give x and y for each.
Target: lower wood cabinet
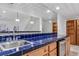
(46, 55)
(52, 46)
(48, 50)
(53, 53)
(52, 49)
(38, 52)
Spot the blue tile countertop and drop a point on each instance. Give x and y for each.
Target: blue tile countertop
(37, 41)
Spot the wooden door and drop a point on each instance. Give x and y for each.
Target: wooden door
(77, 32)
(71, 31)
(54, 28)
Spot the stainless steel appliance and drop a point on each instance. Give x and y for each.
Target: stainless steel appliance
(61, 47)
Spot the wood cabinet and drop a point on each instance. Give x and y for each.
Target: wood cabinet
(38, 52)
(46, 55)
(53, 53)
(48, 50)
(52, 49)
(52, 46)
(54, 28)
(71, 31)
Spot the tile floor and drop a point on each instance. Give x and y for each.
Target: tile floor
(74, 50)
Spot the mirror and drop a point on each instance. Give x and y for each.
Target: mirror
(26, 17)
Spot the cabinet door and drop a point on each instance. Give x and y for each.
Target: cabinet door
(53, 53)
(52, 46)
(38, 52)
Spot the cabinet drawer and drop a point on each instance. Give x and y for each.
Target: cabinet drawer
(52, 46)
(53, 53)
(38, 52)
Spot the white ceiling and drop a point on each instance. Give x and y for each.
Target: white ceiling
(68, 10)
(24, 10)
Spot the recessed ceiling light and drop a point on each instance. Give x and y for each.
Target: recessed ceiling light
(17, 20)
(31, 22)
(48, 11)
(4, 11)
(57, 8)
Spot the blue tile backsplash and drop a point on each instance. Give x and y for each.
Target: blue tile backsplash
(26, 37)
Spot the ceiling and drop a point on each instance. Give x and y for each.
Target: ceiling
(24, 10)
(68, 10)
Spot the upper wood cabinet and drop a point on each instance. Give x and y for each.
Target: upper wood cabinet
(71, 30)
(54, 27)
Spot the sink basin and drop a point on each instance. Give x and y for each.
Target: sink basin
(13, 44)
(1, 49)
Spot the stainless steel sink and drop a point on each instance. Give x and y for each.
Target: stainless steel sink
(13, 44)
(1, 48)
